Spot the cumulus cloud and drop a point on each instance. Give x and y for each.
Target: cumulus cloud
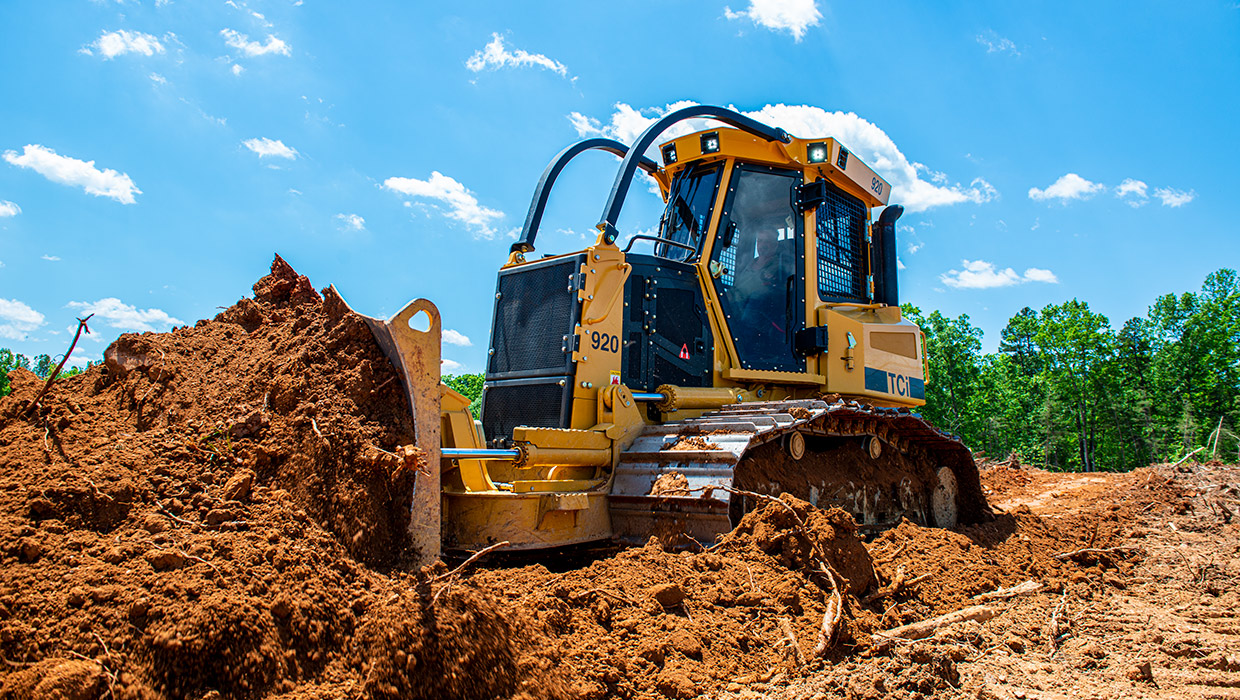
(495, 55)
(979, 274)
(997, 44)
(461, 204)
(1133, 192)
(1068, 187)
(792, 16)
(446, 365)
(8, 208)
(113, 44)
(352, 222)
(453, 337)
(242, 43)
(237, 69)
(71, 171)
(17, 319)
(52, 258)
(265, 147)
(864, 139)
(124, 316)
(1174, 198)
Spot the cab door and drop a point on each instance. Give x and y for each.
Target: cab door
(757, 267)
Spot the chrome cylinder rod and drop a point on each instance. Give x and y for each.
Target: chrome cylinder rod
(469, 453)
(648, 396)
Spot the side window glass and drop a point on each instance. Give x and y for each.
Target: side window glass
(689, 207)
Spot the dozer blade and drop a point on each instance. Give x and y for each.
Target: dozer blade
(415, 355)
(685, 477)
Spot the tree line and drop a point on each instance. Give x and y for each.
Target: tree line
(1068, 391)
(1064, 390)
(41, 365)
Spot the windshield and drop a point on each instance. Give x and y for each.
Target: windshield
(688, 211)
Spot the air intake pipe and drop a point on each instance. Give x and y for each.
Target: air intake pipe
(883, 256)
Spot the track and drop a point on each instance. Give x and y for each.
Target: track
(879, 464)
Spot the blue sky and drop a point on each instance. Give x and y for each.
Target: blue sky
(156, 154)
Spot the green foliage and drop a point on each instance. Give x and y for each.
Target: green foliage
(42, 367)
(1067, 391)
(470, 385)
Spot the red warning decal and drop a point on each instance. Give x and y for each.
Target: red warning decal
(684, 352)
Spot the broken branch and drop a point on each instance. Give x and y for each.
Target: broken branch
(926, 628)
(52, 377)
(1005, 593)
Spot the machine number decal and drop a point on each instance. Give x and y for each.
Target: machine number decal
(604, 341)
(877, 186)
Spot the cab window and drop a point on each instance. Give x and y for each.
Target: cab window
(688, 211)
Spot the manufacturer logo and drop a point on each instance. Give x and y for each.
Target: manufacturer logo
(893, 383)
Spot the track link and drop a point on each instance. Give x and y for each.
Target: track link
(880, 464)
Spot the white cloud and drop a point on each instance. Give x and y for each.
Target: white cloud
(1174, 198)
(242, 43)
(8, 208)
(1133, 192)
(352, 222)
(113, 44)
(461, 204)
(125, 316)
(71, 171)
(1070, 186)
(237, 69)
(979, 274)
(446, 365)
(862, 138)
(495, 56)
(268, 147)
(1037, 274)
(792, 16)
(52, 258)
(17, 319)
(453, 337)
(997, 44)
(158, 79)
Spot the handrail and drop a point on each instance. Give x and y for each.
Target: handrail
(647, 237)
(628, 168)
(525, 243)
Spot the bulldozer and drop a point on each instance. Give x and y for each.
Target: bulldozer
(756, 347)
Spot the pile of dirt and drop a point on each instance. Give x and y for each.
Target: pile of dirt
(223, 508)
(650, 622)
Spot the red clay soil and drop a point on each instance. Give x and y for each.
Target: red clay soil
(220, 512)
(222, 509)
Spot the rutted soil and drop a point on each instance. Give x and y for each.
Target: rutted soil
(219, 512)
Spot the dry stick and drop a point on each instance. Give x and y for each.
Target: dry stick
(925, 628)
(888, 557)
(52, 377)
(1190, 454)
(897, 582)
(785, 627)
(1094, 550)
(168, 513)
(1005, 593)
(451, 575)
(1053, 629)
(831, 618)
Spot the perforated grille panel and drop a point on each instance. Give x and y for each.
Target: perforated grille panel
(535, 403)
(534, 311)
(841, 247)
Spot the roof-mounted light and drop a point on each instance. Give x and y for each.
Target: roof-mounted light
(669, 154)
(817, 152)
(710, 142)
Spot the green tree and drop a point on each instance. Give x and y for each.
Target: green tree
(470, 385)
(1076, 345)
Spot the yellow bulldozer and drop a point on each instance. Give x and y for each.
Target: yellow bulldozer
(757, 347)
